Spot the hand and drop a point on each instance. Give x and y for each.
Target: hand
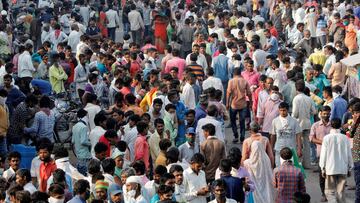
(167, 134)
(349, 174)
(299, 152)
(323, 174)
(227, 106)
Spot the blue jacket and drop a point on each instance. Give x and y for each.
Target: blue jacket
(339, 108)
(221, 68)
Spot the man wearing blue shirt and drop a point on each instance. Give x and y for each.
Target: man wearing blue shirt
(339, 105)
(271, 45)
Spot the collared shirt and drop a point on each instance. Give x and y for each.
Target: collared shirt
(320, 82)
(46, 169)
(43, 125)
(9, 173)
(338, 108)
(77, 199)
(57, 77)
(30, 187)
(176, 62)
(201, 60)
(287, 180)
(328, 63)
(279, 77)
(218, 129)
(319, 130)
(335, 156)
(194, 182)
(263, 96)
(227, 201)
(81, 140)
(180, 193)
(73, 40)
(142, 150)
(234, 188)
(130, 137)
(214, 82)
(187, 151)
(113, 18)
(269, 111)
(154, 141)
(136, 21)
(188, 96)
(238, 89)
(92, 110)
(25, 65)
(252, 77)
(213, 150)
(81, 76)
(303, 109)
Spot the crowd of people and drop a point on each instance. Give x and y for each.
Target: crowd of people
(156, 84)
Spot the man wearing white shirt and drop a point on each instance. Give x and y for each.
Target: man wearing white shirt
(335, 162)
(113, 21)
(212, 112)
(188, 93)
(98, 131)
(212, 81)
(74, 38)
(219, 190)
(92, 108)
(259, 56)
(25, 69)
(201, 59)
(196, 188)
(299, 14)
(257, 17)
(129, 134)
(136, 24)
(23, 178)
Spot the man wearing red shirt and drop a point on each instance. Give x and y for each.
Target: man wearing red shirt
(255, 95)
(47, 166)
(141, 146)
(109, 138)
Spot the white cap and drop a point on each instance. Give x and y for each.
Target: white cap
(133, 179)
(3, 13)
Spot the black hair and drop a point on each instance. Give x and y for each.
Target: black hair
(165, 177)
(94, 166)
(141, 126)
(160, 170)
(59, 153)
(218, 183)
(286, 153)
(56, 189)
(336, 123)
(197, 158)
(24, 173)
(172, 155)
(225, 165)
(14, 154)
(81, 186)
(158, 121)
(300, 86)
(45, 102)
(209, 128)
(164, 189)
(59, 176)
(212, 110)
(176, 168)
(164, 144)
(100, 147)
(108, 165)
(284, 105)
(139, 167)
(110, 134)
(99, 118)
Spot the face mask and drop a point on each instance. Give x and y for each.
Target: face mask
(190, 139)
(346, 23)
(54, 200)
(132, 193)
(334, 94)
(274, 97)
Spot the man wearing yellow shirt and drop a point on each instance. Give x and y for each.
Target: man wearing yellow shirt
(57, 75)
(318, 57)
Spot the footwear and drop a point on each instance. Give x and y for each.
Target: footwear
(353, 187)
(323, 199)
(313, 163)
(242, 139)
(316, 170)
(235, 140)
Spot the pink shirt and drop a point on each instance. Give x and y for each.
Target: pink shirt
(147, 46)
(319, 130)
(269, 112)
(142, 150)
(176, 62)
(251, 77)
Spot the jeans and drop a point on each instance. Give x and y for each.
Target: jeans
(126, 28)
(357, 181)
(82, 166)
(147, 31)
(313, 152)
(242, 115)
(225, 85)
(136, 36)
(321, 182)
(111, 32)
(25, 84)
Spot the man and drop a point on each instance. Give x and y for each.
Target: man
(287, 178)
(108, 165)
(251, 75)
(222, 68)
(234, 189)
(285, 132)
(92, 109)
(212, 81)
(213, 150)
(305, 43)
(141, 147)
(189, 148)
(101, 189)
(25, 69)
(174, 98)
(81, 73)
(212, 113)
(237, 91)
(81, 141)
(188, 92)
(219, 189)
(200, 110)
(4, 119)
(335, 162)
(264, 94)
(195, 68)
(317, 133)
(196, 188)
(271, 46)
(277, 74)
(259, 56)
(179, 192)
(129, 134)
(74, 38)
(47, 166)
(175, 61)
(303, 110)
(201, 59)
(98, 131)
(14, 95)
(155, 138)
(133, 190)
(14, 159)
(117, 196)
(113, 21)
(57, 75)
(136, 24)
(23, 178)
(81, 192)
(186, 35)
(269, 111)
(339, 104)
(152, 186)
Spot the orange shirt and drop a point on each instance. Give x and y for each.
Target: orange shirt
(238, 88)
(46, 170)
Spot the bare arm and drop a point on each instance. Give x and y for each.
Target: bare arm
(269, 152)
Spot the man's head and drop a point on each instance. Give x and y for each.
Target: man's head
(269, 83)
(219, 190)
(168, 179)
(177, 171)
(327, 92)
(283, 109)
(57, 193)
(111, 136)
(325, 113)
(142, 128)
(190, 135)
(159, 171)
(165, 192)
(108, 166)
(100, 150)
(101, 188)
(197, 162)
(159, 125)
(82, 188)
(335, 123)
(157, 104)
(44, 149)
(286, 153)
(23, 176)
(14, 159)
(209, 130)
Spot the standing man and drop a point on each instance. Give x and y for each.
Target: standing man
(136, 24)
(213, 150)
(285, 132)
(81, 141)
(317, 134)
(113, 21)
(222, 68)
(335, 162)
(238, 89)
(303, 110)
(355, 134)
(25, 69)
